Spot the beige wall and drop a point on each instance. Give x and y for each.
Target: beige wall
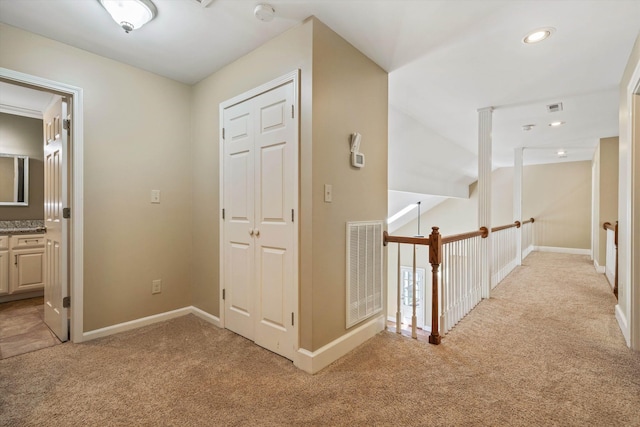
(341, 92)
(23, 136)
(558, 196)
(455, 216)
(349, 95)
(606, 191)
(136, 138)
(286, 53)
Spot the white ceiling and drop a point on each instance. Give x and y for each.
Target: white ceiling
(446, 60)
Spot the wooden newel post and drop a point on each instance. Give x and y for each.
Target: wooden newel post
(435, 258)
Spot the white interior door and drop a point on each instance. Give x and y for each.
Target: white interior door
(276, 176)
(55, 199)
(260, 196)
(239, 248)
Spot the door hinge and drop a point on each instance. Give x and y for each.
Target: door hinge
(291, 318)
(66, 302)
(224, 294)
(292, 215)
(222, 133)
(292, 116)
(222, 213)
(66, 124)
(66, 213)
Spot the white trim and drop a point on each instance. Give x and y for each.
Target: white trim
(291, 77)
(558, 250)
(150, 320)
(630, 329)
(624, 325)
(20, 111)
(313, 362)
(134, 324)
(214, 320)
(76, 238)
(598, 267)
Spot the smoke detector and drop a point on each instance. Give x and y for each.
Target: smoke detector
(204, 3)
(264, 12)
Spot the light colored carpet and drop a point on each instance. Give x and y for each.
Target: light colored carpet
(544, 350)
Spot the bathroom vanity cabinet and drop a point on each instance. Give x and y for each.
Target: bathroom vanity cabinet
(21, 263)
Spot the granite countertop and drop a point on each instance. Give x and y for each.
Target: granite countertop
(22, 226)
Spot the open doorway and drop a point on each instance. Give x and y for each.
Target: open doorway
(62, 257)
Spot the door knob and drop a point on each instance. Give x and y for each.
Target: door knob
(251, 232)
(257, 233)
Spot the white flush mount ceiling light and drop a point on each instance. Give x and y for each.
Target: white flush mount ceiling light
(264, 12)
(562, 153)
(130, 14)
(556, 124)
(536, 36)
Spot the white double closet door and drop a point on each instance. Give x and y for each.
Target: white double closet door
(260, 174)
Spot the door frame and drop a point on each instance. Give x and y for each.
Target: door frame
(76, 155)
(291, 77)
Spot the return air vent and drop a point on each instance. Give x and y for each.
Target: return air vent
(364, 270)
(554, 108)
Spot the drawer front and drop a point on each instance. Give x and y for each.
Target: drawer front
(27, 241)
(4, 242)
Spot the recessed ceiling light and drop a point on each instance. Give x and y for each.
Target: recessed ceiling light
(527, 128)
(556, 124)
(562, 153)
(538, 35)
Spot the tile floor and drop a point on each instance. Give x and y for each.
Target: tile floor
(22, 327)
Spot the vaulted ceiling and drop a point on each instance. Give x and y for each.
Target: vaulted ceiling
(446, 59)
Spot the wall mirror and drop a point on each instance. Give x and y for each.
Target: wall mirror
(14, 180)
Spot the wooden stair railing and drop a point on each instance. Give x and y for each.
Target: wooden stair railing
(614, 228)
(435, 242)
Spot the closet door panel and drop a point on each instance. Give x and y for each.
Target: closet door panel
(239, 201)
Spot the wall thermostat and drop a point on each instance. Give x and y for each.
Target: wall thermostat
(357, 158)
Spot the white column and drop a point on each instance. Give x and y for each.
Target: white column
(517, 200)
(485, 116)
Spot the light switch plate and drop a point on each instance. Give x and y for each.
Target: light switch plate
(155, 196)
(328, 193)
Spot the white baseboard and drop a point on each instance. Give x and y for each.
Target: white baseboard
(313, 362)
(599, 269)
(133, 324)
(624, 326)
(150, 320)
(310, 362)
(558, 250)
(206, 316)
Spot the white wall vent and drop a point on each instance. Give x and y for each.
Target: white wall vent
(364, 270)
(554, 108)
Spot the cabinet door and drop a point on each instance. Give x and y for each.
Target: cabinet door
(27, 270)
(4, 272)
